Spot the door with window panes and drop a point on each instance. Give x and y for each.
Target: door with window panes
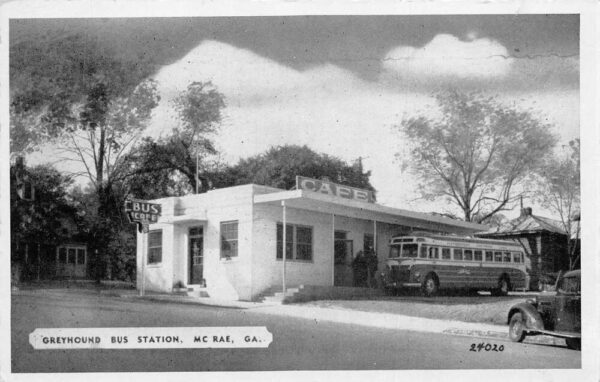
(196, 256)
(343, 256)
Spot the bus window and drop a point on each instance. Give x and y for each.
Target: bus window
(506, 257)
(498, 257)
(446, 254)
(409, 250)
(458, 255)
(516, 257)
(478, 255)
(423, 253)
(394, 251)
(468, 255)
(489, 256)
(433, 253)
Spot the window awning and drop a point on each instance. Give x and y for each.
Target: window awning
(313, 201)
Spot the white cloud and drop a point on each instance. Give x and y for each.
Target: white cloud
(447, 57)
(326, 107)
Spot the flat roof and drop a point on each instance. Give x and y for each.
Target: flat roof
(308, 200)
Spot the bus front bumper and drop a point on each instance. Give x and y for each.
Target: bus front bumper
(404, 285)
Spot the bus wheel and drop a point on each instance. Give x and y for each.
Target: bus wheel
(503, 287)
(430, 285)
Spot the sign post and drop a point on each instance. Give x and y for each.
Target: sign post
(143, 214)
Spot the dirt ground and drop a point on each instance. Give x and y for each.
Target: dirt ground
(474, 308)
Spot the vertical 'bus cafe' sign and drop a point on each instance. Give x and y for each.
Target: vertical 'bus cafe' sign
(142, 213)
(334, 189)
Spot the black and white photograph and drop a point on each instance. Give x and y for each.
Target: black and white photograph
(275, 188)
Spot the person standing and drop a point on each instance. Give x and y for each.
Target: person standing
(359, 268)
(371, 265)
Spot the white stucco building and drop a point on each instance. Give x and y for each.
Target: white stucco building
(228, 242)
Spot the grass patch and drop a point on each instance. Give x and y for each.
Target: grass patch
(484, 309)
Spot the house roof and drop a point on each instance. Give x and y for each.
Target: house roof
(526, 223)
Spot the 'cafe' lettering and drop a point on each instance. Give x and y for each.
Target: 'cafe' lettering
(329, 188)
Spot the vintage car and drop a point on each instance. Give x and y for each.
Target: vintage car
(556, 313)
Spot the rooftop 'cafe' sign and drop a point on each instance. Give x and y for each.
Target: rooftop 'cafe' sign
(334, 189)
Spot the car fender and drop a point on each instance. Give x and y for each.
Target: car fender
(532, 317)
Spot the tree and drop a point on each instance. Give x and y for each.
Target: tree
(560, 192)
(172, 161)
(54, 72)
(476, 153)
(279, 166)
(46, 218)
(73, 90)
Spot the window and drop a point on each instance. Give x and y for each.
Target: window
(423, 253)
(468, 255)
(498, 257)
(433, 253)
(303, 243)
(229, 239)
(570, 285)
(298, 242)
(71, 255)
(68, 254)
(409, 250)
(154, 247)
(517, 257)
(368, 243)
(506, 257)
(477, 254)
(80, 256)
(395, 251)
(289, 242)
(489, 256)
(446, 253)
(339, 235)
(458, 254)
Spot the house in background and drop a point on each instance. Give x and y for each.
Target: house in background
(544, 241)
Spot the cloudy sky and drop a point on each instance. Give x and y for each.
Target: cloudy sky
(341, 84)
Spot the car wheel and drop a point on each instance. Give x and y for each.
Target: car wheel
(516, 328)
(574, 343)
(430, 286)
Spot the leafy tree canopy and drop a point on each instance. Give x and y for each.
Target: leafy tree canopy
(51, 72)
(560, 193)
(476, 153)
(167, 166)
(50, 217)
(279, 166)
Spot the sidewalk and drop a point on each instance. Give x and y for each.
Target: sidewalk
(354, 317)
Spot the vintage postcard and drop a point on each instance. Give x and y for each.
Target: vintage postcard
(391, 190)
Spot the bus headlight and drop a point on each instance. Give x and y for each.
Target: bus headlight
(417, 276)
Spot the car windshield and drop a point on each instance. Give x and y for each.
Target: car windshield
(570, 285)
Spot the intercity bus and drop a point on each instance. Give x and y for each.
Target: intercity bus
(433, 262)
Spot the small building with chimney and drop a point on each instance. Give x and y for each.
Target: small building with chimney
(544, 241)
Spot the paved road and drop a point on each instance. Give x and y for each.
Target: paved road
(298, 344)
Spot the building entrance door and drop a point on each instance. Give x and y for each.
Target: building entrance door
(196, 256)
(342, 272)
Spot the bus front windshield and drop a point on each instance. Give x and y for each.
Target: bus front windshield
(409, 250)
